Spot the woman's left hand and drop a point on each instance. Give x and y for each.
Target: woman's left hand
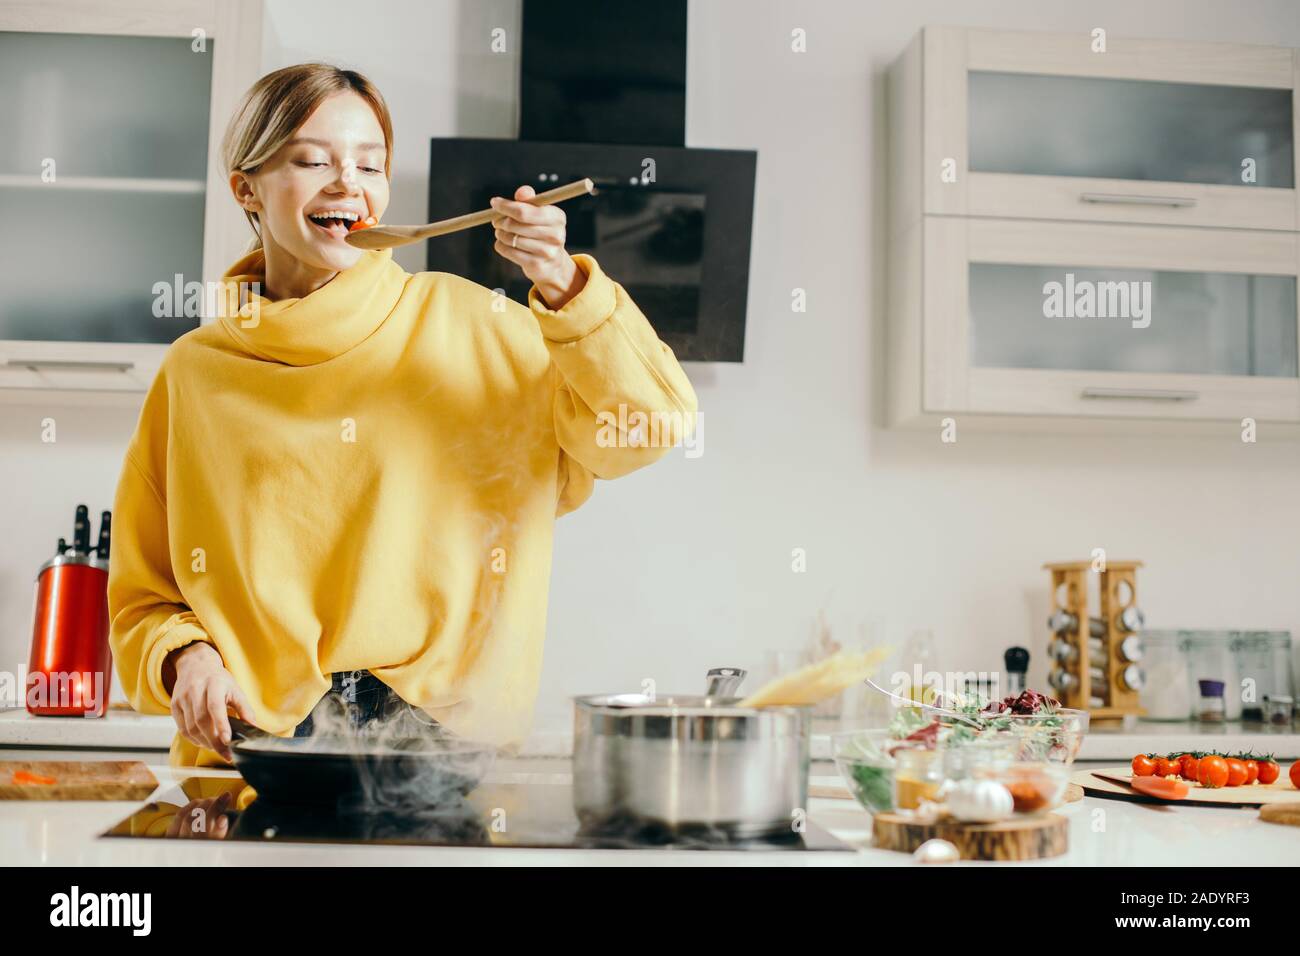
(532, 237)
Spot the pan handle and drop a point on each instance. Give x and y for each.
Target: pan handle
(243, 730)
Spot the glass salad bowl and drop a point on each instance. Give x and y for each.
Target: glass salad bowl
(1048, 737)
(865, 761)
(969, 758)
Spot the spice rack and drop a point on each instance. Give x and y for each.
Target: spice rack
(1096, 658)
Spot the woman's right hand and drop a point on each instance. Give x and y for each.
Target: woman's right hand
(203, 692)
(203, 819)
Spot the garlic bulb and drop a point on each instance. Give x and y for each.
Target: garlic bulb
(936, 851)
(979, 801)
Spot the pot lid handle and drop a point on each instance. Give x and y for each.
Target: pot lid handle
(723, 681)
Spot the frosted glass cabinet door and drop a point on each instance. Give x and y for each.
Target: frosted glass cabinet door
(1039, 126)
(1132, 320)
(1025, 317)
(1130, 129)
(104, 163)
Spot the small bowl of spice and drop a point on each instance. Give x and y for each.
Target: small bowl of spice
(1035, 786)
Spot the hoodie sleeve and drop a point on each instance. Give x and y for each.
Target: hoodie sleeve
(621, 398)
(148, 616)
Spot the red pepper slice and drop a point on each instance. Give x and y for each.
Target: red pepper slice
(1160, 787)
(27, 778)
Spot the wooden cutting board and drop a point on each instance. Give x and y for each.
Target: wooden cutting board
(1113, 781)
(78, 780)
(1020, 838)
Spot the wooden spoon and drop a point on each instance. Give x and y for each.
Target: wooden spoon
(389, 237)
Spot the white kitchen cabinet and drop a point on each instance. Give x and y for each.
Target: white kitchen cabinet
(116, 113)
(1037, 125)
(1207, 332)
(1015, 302)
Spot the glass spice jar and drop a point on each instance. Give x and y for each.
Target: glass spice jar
(918, 775)
(1278, 709)
(1210, 708)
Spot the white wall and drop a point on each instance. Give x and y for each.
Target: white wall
(687, 564)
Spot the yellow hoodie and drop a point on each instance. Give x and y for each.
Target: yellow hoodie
(368, 477)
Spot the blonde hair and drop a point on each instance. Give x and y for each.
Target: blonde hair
(278, 104)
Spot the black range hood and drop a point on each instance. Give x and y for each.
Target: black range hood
(604, 73)
(603, 94)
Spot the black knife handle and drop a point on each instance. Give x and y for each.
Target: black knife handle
(105, 530)
(81, 530)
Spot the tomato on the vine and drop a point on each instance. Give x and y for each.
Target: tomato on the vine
(1268, 770)
(1295, 775)
(1188, 764)
(1166, 767)
(1213, 771)
(1236, 771)
(1252, 770)
(1143, 766)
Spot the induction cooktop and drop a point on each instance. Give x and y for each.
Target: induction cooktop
(503, 814)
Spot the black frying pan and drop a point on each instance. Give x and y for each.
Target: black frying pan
(413, 774)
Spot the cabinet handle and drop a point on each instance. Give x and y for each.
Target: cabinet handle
(1142, 394)
(88, 365)
(1177, 201)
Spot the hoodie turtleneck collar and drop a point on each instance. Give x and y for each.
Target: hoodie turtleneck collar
(321, 325)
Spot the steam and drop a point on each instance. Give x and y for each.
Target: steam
(402, 762)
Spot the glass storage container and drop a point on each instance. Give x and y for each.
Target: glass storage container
(1212, 657)
(1210, 706)
(1279, 710)
(1264, 665)
(1167, 694)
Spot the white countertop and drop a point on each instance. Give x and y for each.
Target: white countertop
(553, 736)
(1102, 833)
(127, 730)
(118, 729)
(1114, 742)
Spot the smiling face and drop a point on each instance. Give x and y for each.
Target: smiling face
(333, 164)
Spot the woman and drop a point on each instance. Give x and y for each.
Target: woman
(347, 489)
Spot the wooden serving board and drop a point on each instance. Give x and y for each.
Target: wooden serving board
(1114, 781)
(1286, 813)
(1073, 792)
(1020, 838)
(78, 780)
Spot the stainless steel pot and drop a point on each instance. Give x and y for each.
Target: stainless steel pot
(688, 764)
